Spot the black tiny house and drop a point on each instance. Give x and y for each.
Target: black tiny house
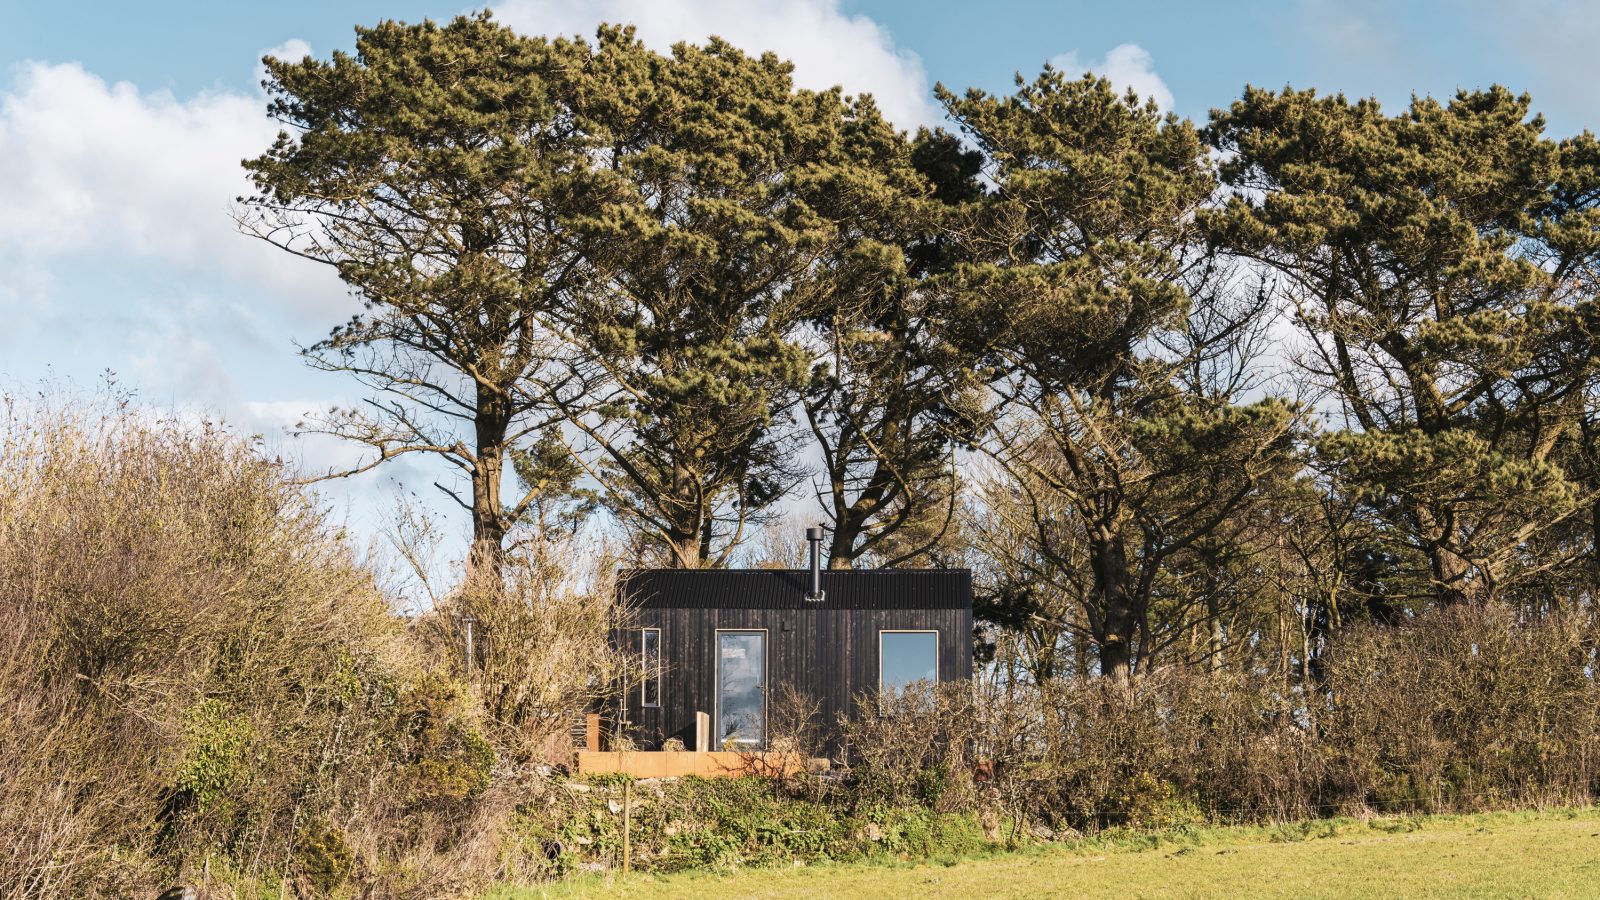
(721, 641)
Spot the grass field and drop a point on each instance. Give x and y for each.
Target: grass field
(1548, 854)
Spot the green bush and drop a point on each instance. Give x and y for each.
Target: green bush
(445, 760)
(728, 823)
(216, 754)
(324, 857)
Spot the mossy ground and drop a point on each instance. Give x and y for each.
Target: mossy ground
(1532, 854)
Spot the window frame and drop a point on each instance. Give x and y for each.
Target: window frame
(716, 685)
(937, 653)
(644, 665)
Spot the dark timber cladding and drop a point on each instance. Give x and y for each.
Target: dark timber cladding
(827, 650)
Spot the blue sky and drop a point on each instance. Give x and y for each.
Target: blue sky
(121, 128)
(1206, 50)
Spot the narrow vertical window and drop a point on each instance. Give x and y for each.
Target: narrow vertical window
(650, 647)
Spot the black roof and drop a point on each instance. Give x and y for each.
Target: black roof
(786, 589)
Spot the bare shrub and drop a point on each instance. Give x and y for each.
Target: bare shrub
(795, 735)
(1172, 748)
(915, 745)
(1469, 707)
(794, 722)
(193, 647)
(542, 648)
(51, 840)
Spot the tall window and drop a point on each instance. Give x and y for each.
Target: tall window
(650, 654)
(741, 704)
(906, 657)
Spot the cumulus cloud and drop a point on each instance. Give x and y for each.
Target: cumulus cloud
(120, 252)
(121, 175)
(1128, 66)
(828, 46)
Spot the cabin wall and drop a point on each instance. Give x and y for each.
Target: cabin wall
(828, 654)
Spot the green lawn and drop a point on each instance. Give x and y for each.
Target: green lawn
(1550, 854)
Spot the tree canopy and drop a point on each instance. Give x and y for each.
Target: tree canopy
(1178, 393)
(438, 169)
(1439, 264)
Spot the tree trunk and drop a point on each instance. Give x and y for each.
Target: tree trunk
(1594, 543)
(842, 544)
(1448, 570)
(1114, 639)
(1116, 657)
(686, 533)
(1217, 641)
(1215, 638)
(487, 555)
(850, 520)
(1451, 573)
(486, 558)
(684, 547)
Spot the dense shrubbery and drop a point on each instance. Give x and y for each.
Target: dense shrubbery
(195, 660)
(726, 823)
(1465, 708)
(197, 677)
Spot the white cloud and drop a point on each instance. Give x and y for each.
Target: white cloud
(115, 174)
(1126, 66)
(120, 253)
(828, 47)
(292, 50)
(117, 252)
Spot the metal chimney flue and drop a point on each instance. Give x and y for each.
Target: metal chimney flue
(814, 538)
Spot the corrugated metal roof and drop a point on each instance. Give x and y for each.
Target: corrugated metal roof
(786, 589)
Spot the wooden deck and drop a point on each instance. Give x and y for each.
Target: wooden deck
(679, 763)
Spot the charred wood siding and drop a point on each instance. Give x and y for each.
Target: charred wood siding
(827, 651)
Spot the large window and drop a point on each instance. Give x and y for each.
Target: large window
(650, 655)
(906, 657)
(741, 690)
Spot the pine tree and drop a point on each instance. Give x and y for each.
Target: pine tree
(1098, 321)
(438, 170)
(1440, 266)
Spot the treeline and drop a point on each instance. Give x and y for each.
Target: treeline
(1200, 393)
(202, 684)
